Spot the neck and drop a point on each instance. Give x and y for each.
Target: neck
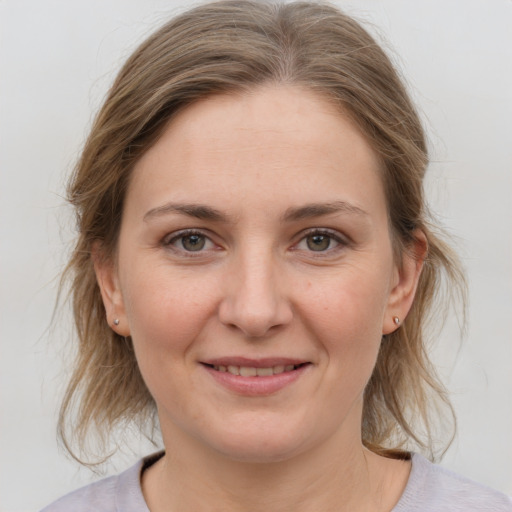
(340, 475)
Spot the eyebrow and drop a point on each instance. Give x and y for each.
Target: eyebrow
(318, 209)
(198, 211)
(203, 212)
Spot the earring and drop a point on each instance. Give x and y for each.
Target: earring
(396, 320)
(116, 321)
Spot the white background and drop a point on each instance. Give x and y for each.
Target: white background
(57, 59)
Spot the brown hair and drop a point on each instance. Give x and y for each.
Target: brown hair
(235, 45)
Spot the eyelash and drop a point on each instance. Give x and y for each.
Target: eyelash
(175, 237)
(331, 234)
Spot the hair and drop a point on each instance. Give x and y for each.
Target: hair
(233, 46)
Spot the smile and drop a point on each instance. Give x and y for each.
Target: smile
(251, 371)
(255, 377)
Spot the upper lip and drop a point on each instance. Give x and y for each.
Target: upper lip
(265, 362)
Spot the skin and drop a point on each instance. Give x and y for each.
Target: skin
(273, 278)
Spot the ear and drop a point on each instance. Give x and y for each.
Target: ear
(108, 281)
(406, 279)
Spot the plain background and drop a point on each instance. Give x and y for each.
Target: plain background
(57, 59)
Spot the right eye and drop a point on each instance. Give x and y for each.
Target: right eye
(190, 241)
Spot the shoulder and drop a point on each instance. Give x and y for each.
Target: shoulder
(116, 493)
(432, 488)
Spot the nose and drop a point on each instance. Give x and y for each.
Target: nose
(255, 300)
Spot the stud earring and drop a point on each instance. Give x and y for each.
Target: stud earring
(116, 321)
(396, 320)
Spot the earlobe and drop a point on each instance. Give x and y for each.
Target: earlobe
(404, 289)
(108, 282)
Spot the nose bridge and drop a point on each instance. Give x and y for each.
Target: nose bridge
(255, 299)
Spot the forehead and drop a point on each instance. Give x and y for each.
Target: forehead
(283, 141)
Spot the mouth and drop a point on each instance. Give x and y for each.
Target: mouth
(255, 371)
(262, 377)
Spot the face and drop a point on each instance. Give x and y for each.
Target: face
(255, 274)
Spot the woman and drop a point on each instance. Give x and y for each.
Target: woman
(255, 265)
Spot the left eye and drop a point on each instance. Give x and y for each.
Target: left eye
(318, 242)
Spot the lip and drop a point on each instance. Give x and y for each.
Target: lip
(254, 363)
(259, 385)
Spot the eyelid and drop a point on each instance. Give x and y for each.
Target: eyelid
(342, 240)
(170, 238)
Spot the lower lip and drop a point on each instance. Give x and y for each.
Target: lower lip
(256, 386)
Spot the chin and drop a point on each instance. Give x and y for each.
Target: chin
(259, 452)
(262, 443)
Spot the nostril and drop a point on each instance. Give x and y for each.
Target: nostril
(254, 302)
(254, 323)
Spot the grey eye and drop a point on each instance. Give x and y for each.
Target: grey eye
(187, 242)
(193, 242)
(318, 242)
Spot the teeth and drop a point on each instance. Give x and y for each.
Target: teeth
(246, 371)
(249, 371)
(264, 372)
(235, 370)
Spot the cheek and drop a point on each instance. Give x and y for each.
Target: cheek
(166, 313)
(351, 303)
(346, 316)
(166, 316)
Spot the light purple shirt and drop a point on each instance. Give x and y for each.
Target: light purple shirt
(430, 488)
